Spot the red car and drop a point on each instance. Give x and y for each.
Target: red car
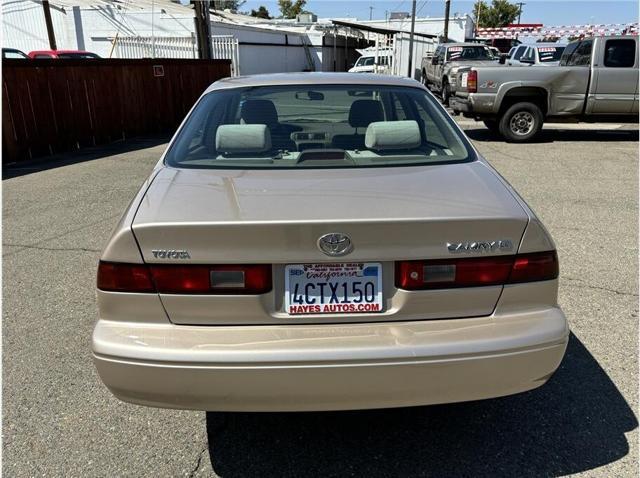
(64, 54)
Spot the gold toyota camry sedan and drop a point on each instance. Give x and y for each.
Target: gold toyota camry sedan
(323, 241)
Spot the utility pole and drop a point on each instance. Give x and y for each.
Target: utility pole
(203, 29)
(478, 8)
(413, 29)
(47, 20)
(447, 7)
(520, 10)
(370, 12)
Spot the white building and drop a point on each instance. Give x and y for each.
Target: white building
(91, 24)
(461, 27)
(100, 26)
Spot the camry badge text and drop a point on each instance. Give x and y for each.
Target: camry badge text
(479, 246)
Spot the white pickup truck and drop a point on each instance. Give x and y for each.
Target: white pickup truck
(597, 80)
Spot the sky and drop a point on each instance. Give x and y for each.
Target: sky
(558, 12)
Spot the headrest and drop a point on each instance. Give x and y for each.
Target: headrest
(393, 135)
(243, 138)
(363, 112)
(259, 112)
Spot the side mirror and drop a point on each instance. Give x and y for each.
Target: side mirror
(434, 60)
(502, 60)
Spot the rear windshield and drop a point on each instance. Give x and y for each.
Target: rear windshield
(318, 127)
(77, 55)
(461, 53)
(370, 60)
(550, 53)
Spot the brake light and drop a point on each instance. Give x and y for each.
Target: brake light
(118, 277)
(534, 267)
(185, 279)
(476, 271)
(216, 279)
(472, 81)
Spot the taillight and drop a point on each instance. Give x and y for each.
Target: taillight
(119, 277)
(217, 279)
(185, 279)
(534, 267)
(476, 271)
(472, 81)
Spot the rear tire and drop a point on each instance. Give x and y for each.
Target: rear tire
(521, 122)
(425, 80)
(445, 93)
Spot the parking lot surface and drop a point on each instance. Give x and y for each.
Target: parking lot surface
(59, 420)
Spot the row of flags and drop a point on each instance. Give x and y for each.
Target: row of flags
(610, 29)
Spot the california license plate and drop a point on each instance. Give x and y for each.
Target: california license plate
(342, 288)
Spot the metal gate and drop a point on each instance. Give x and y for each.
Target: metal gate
(224, 47)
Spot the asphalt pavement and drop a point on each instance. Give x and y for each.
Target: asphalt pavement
(59, 420)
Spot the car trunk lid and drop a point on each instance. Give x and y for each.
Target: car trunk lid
(277, 216)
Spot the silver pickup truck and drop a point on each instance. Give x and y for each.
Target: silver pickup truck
(439, 69)
(597, 80)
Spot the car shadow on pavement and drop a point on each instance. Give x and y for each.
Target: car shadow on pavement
(575, 422)
(21, 168)
(552, 135)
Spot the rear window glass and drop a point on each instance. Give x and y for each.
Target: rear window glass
(365, 61)
(550, 53)
(456, 53)
(582, 54)
(518, 53)
(620, 53)
(317, 126)
(69, 56)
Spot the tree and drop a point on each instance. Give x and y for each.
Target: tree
(500, 14)
(291, 8)
(261, 12)
(233, 5)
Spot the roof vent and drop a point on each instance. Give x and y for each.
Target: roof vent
(399, 15)
(306, 18)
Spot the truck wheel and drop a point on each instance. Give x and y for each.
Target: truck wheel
(521, 122)
(445, 93)
(425, 80)
(492, 125)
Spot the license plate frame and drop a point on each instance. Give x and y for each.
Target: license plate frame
(349, 288)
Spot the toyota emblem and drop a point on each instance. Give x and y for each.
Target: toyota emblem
(335, 244)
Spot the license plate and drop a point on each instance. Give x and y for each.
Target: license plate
(463, 80)
(343, 288)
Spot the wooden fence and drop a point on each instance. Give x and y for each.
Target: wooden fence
(54, 106)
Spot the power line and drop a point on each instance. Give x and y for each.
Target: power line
(398, 6)
(420, 9)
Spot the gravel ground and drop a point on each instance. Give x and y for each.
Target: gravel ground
(60, 421)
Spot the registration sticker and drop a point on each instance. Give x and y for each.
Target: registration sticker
(340, 288)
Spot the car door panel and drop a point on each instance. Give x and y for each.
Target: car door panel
(615, 82)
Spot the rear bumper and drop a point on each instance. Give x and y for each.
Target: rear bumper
(474, 104)
(329, 367)
(458, 104)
